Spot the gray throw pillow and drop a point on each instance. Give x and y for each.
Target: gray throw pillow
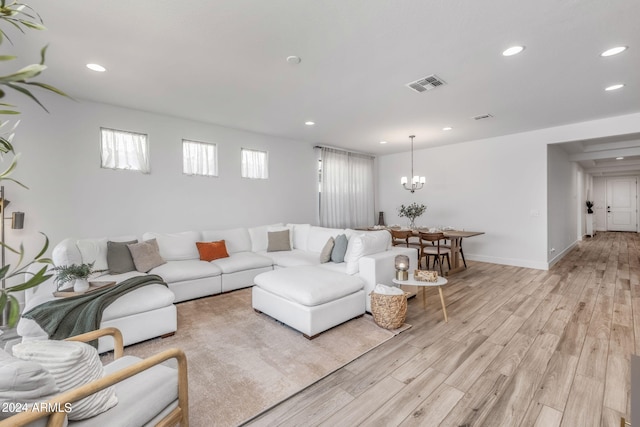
(146, 255)
(119, 258)
(278, 241)
(339, 248)
(325, 255)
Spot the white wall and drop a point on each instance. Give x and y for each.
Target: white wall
(495, 185)
(562, 211)
(70, 195)
(492, 185)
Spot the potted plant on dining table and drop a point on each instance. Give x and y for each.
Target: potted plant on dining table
(412, 211)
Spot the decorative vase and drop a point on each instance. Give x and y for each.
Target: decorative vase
(412, 223)
(381, 219)
(80, 285)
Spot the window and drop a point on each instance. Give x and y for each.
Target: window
(254, 164)
(124, 150)
(199, 158)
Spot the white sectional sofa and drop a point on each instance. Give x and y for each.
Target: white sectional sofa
(188, 277)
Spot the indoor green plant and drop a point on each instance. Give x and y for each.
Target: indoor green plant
(20, 17)
(412, 211)
(77, 274)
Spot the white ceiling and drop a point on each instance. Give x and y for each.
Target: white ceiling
(223, 62)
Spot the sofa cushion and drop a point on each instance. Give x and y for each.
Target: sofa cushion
(119, 257)
(140, 397)
(325, 255)
(300, 235)
(236, 239)
(212, 250)
(146, 255)
(66, 253)
(190, 269)
(278, 241)
(95, 250)
(258, 235)
(318, 237)
(364, 244)
(23, 381)
(141, 300)
(293, 258)
(339, 248)
(176, 246)
(72, 364)
(242, 261)
(309, 285)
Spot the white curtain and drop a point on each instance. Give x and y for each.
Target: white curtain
(254, 164)
(124, 150)
(199, 158)
(346, 189)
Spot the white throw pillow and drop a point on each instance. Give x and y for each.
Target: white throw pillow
(364, 244)
(318, 237)
(72, 364)
(21, 382)
(259, 240)
(176, 246)
(300, 235)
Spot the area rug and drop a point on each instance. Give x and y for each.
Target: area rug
(242, 362)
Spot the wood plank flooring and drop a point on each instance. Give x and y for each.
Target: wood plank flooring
(522, 347)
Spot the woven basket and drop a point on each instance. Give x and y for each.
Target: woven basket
(389, 311)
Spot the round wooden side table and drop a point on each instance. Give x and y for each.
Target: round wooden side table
(439, 283)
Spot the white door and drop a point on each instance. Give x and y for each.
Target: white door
(621, 204)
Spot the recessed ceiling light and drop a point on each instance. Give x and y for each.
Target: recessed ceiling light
(513, 50)
(309, 123)
(383, 142)
(614, 51)
(619, 158)
(294, 59)
(96, 67)
(447, 128)
(614, 87)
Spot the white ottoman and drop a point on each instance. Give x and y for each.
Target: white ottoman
(310, 299)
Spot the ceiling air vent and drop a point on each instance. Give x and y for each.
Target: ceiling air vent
(482, 116)
(426, 83)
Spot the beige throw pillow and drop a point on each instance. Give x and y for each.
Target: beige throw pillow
(278, 241)
(146, 255)
(325, 255)
(72, 364)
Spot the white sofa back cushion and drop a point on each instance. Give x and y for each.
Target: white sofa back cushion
(300, 235)
(368, 243)
(176, 246)
(66, 253)
(236, 240)
(259, 240)
(318, 237)
(95, 250)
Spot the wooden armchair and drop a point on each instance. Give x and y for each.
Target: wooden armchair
(402, 237)
(128, 368)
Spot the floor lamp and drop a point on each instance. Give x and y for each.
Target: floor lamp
(17, 223)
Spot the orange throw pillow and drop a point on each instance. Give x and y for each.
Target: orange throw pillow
(212, 250)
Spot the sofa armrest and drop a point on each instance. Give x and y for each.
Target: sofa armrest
(380, 268)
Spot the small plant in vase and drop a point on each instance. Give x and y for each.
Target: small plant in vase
(589, 207)
(76, 274)
(412, 212)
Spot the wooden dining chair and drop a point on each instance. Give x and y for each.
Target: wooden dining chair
(403, 238)
(430, 246)
(447, 245)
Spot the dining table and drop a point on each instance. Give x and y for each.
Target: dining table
(455, 236)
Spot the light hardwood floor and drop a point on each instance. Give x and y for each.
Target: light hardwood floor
(522, 347)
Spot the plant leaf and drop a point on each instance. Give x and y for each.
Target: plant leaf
(14, 311)
(44, 247)
(24, 91)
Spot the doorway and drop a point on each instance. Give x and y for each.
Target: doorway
(622, 199)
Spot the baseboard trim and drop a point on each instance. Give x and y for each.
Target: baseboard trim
(561, 255)
(538, 265)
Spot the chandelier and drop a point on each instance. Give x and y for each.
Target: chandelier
(417, 182)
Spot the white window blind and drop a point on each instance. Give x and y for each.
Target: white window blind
(199, 158)
(254, 164)
(124, 150)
